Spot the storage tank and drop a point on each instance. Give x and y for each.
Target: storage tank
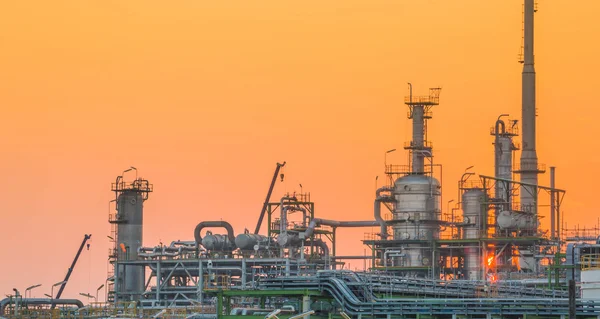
(474, 215)
(473, 205)
(417, 209)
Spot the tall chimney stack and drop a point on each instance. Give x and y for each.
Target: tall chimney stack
(529, 169)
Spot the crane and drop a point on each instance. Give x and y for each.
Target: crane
(64, 282)
(264, 208)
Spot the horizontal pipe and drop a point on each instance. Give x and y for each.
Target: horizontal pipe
(334, 223)
(38, 301)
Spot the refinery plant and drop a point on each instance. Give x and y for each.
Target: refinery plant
(487, 256)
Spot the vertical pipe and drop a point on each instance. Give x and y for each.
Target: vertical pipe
(158, 278)
(243, 273)
(418, 138)
(200, 279)
(552, 204)
(558, 220)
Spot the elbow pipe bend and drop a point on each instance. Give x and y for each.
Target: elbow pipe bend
(219, 223)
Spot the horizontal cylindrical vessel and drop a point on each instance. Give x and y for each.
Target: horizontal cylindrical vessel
(217, 242)
(514, 220)
(248, 241)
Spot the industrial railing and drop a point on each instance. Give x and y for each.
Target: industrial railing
(510, 130)
(590, 262)
(412, 145)
(216, 282)
(391, 169)
(540, 168)
(138, 185)
(422, 100)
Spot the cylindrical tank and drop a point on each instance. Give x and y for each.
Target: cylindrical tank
(417, 209)
(217, 242)
(248, 241)
(288, 239)
(473, 263)
(473, 206)
(130, 213)
(516, 221)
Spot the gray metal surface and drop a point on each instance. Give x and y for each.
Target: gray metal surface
(529, 160)
(417, 209)
(473, 205)
(130, 205)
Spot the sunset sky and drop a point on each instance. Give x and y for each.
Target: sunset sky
(204, 97)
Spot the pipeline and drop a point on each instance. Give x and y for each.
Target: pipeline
(283, 217)
(334, 223)
(321, 244)
(395, 253)
(297, 208)
(39, 301)
(219, 223)
(377, 209)
(189, 243)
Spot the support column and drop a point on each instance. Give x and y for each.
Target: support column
(219, 309)
(243, 273)
(199, 292)
(227, 305)
(158, 280)
(306, 305)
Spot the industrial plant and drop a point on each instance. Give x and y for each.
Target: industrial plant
(487, 256)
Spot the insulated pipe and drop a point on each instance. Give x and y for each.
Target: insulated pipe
(304, 217)
(183, 243)
(334, 223)
(385, 255)
(377, 209)
(321, 244)
(219, 223)
(39, 301)
(283, 217)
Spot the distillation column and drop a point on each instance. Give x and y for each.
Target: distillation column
(417, 195)
(503, 160)
(130, 197)
(504, 148)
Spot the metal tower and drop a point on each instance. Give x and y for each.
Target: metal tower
(420, 111)
(128, 278)
(528, 168)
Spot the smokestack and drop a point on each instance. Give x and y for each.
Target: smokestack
(529, 163)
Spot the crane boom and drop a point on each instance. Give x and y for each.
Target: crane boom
(264, 208)
(64, 284)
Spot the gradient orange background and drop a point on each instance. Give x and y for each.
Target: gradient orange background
(204, 97)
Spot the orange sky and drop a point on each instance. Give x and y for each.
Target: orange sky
(204, 97)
